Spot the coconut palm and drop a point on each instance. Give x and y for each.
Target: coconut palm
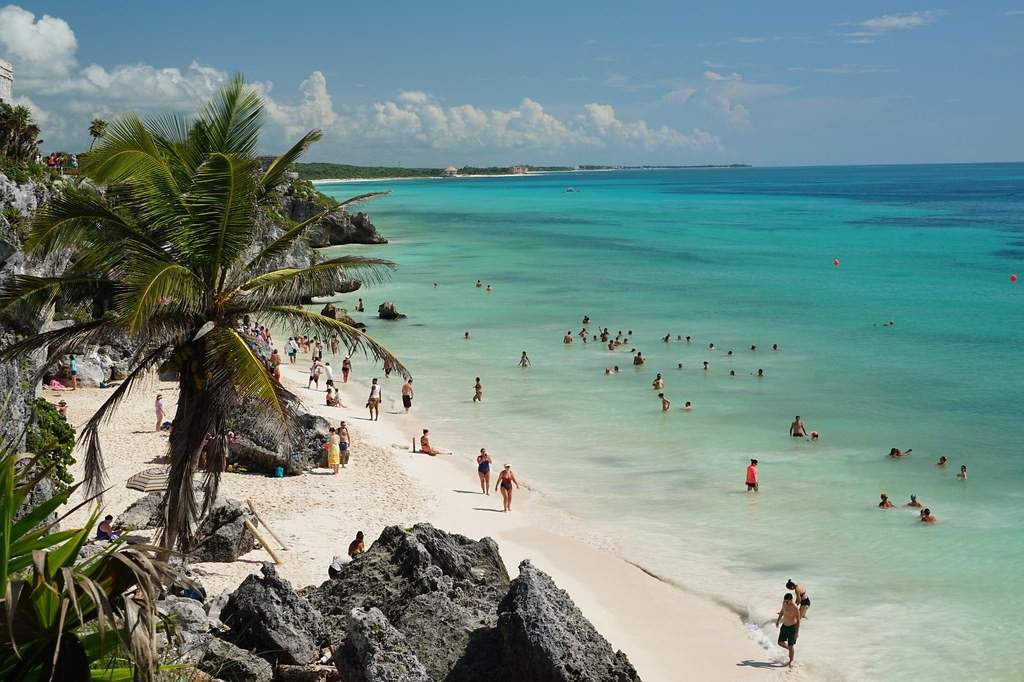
(18, 134)
(175, 244)
(96, 129)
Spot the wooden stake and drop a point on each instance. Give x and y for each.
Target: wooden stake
(263, 542)
(414, 443)
(270, 530)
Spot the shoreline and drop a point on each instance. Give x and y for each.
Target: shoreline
(661, 627)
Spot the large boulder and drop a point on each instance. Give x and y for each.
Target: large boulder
(223, 534)
(546, 638)
(225, 661)
(267, 616)
(438, 589)
(377, 652)
(387, 311)
(188, 628)
(263, 446)
(145, 512)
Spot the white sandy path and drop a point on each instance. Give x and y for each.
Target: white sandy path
(668, 633)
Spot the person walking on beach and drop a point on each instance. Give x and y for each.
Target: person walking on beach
(797, 428)
(389, 366)
(483, 470)
(346, 369)
(73, 368)
(314, 376)
(800, 593)
(523, 360)
(751, 475)
(292, 348)
(373, 401)
(789, 616)
(334, 344)
(407, 393)
(505, 481)
(478, 391)
(158, 406)
(334, 451)
(343, 442)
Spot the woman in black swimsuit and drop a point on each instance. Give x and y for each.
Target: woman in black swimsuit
(483, 470)
(505, 480)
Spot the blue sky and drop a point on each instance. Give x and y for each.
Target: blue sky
(419, 83)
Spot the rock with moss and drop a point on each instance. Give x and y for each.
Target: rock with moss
(377, 652)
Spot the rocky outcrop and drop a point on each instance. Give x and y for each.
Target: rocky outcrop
(377, 652)
(546, 638)
(387, 311)
(145, 512)
(266, 616)
(225, 661)
(439, 590)
(345, 228)
(263, 446)
(223, 532)
(187, 628)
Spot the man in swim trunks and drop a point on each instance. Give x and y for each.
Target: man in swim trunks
(797, 428)
(373, 400)
(789, 616)
(751, 474)
(801, 597)
(344, 438)
(407, 393)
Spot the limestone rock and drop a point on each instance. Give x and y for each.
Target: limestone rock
(225, 661)
(188, 628)
(438, 589)
(267, 616)
(145, 512)
(546, 638)
(387, 311)
(223, 532)
(376, 652)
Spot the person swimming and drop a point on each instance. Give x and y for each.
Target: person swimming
(638, 359)
(466, 336)
(616, 369)
(753, 348)
(943, 461)
(679, 366)
(913, 501)
(886, 503)
(775, 346)
(732, 372)
(760, 374)
(687, 407)
(896, 453)
(927, 516)
(963, 472)
(711, 346)
(729, 354)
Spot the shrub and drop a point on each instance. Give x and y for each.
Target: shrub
(52, 439)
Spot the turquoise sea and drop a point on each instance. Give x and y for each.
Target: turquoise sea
(739, 257)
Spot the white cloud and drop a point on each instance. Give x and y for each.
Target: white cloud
(901, 22)
(42, 48)
(680, 95)
(844, 69)
(750, 40)
(1014, 13)
(726, 94)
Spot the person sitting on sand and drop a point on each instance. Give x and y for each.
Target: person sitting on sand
(355, 548)
(567, 338)
(105, 531)
(886, 503)
(332, 401)
(943, 461)
(789, 616)
(478, 391)
(913, 501)
(927, 516)
(963, 472)
(658, 382)
(797, 428)
(505, 481)
(425, 447)
(665, 403)
(483, 470)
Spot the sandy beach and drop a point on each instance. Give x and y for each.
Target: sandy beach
(663, 629)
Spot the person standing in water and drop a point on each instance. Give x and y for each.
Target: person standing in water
(789, 616)
(478, 391)
(666, 404)
(483, 470)
(407, 394)
(523, 360)
(800, 593)
(751, 475)
(797, 428)
(373, 400)
(963, 473)
(658, 382)
(505, 481)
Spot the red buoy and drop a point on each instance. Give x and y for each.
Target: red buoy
(1013, 278)
(835, 262)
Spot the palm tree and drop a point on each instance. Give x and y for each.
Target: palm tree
(174, 243)
(96, 129)
(18, 134)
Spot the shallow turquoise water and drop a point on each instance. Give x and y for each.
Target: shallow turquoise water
(741, 257)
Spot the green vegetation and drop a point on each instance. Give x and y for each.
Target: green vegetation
(66, 618)
(96, 129)
(176, 245)
(19, 136)
(52, 439)
(321, 171)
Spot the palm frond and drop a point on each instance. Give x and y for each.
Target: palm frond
(232, 119)
(288, 286)
(275, 173)
(154, 284)
(281, 245)
(36, 293)
(74, 216)
(60, 340)
(237, 369)
(323, 326)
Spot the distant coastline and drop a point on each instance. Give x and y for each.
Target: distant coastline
(418, 174)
